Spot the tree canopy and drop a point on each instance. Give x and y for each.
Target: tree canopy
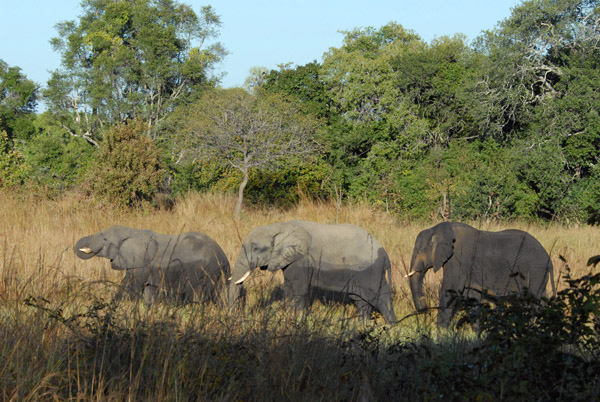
(503, 127)
(131, 59)
(246, 131)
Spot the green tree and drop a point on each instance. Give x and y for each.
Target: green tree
(376, 124)
(256, 79)
(18, 101)
(129, 170)
(57, 159)
(13, 169)
(538, 90)
(304, 84)
(246, 132)
(359, 75)
(130, 59)
(433, 78)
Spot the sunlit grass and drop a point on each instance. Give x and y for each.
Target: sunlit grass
(62, 338)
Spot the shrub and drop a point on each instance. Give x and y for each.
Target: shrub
(548, 348)
(13, 169)
(129, 170)
(58, 161)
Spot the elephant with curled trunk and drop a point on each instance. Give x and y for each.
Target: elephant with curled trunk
(185, 267)
(477, 263)
(335, 261)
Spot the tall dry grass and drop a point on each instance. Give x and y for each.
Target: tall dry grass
(37, 236)
(72, 345)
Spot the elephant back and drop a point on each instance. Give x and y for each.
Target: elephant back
(344, 246)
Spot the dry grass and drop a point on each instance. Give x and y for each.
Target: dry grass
(201, 348)
(37, 236)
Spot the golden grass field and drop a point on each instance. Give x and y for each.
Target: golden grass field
(37, 236)
(58, 342)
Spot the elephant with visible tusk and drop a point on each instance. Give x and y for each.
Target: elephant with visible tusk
(331, 260)
(186, 267)
(477, 262)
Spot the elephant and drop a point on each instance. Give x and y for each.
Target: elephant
(185, 267)
(332, 261)
(477, 263)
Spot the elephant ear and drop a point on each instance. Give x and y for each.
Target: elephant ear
(289, 244)
(442, 245)
(135, 252)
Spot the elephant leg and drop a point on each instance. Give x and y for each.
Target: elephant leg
(128, 285)
(364, 308)
(181, 290)
(383, 302)
(384, 305)
(380, 299)
(445, 312)
(296, 286)
(150, 294)
(299, 297)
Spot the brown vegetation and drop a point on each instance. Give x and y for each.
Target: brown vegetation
(37, 235)
(61, 340)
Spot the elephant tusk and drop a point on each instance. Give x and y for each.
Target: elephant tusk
(411, 273)
(243, 278)
(86, 250)
(230, 278)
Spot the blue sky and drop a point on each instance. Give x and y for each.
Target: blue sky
(259, 32)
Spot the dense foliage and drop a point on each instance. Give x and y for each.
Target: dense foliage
(504, 127)
(130, 59)
(128, 171)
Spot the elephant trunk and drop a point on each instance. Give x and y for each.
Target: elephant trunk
(416, 276)
(241, 271)
(83, 250)
(416, 288)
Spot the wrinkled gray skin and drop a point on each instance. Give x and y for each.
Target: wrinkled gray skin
(329, 260)
(475, 261)
(187, 267)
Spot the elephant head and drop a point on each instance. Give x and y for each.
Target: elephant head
(126, 248)
(433, 248)
(272, 247)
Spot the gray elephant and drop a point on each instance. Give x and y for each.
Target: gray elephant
(476, 263)
(329, 260)
(186, 267)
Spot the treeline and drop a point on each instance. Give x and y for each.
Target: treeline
(505, 127)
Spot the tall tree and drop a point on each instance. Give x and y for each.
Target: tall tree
(246, 131)
(526, 57)
(128, 59)
(256, 78)
(543, 64)
(305, 84)
(18, 101)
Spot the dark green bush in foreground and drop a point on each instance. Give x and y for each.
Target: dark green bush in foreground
(533, 349)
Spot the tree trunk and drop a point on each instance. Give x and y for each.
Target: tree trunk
(238, 207)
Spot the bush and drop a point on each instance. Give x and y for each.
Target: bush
(282, 186)
(583, 202)
(58, 161)
(129, 170)
(549, 348)
(13, 169)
